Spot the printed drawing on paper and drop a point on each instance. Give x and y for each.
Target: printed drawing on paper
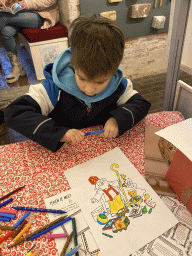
(117, 201)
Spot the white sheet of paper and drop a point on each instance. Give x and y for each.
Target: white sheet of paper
(180, 135)
(149, 217)
(67, 202)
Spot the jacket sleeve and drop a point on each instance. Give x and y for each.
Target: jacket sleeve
(132, 108)
(40, 4)
(28, 116)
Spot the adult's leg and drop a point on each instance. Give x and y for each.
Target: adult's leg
(10, 25)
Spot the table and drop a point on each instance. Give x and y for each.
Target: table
(43, 172)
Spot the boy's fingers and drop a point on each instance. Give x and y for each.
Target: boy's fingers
(114, 134)
(73, 141)
(106, 133)
(82, 133)
(77, 137)
(110, 134)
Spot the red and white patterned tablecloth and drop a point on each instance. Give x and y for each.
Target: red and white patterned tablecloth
(43, 172)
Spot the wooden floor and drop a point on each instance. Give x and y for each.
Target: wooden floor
(152, 88)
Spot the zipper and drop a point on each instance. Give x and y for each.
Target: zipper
(87, 107)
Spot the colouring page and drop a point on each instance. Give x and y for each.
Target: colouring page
(177, 241)
(67, 202)
(122, 210)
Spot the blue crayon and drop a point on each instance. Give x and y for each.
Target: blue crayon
(21, 220)
(107, 235)
(37, 209)
(95, 132)
(6, 202)
(73, 251)
(12, 216)
(5, 219)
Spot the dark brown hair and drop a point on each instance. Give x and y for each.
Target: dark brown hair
(97, 45)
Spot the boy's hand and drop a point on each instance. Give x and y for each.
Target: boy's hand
(73, 136)
(111, 128)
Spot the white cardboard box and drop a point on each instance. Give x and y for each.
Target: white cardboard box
(44, 52)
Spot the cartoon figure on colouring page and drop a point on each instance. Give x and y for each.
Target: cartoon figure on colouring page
(135, 195)
(107, 192)
(117, 201)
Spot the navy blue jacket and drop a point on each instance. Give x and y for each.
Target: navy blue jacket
(47, 112)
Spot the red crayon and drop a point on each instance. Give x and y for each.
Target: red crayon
(3, 238)
(8, 211)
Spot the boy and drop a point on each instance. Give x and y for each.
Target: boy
(83, 87)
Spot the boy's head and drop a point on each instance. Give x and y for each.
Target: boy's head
(97, 46)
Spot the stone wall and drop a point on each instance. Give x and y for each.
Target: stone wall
(144, 56)
(69, 10)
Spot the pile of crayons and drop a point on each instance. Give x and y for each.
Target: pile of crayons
(22, 225)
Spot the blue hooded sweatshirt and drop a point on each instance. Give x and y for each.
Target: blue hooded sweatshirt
(64, 77)
(57, 104)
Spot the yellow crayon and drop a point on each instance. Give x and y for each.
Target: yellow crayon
(29, 254)
(32, 254)
(28, 225)
(36, 253)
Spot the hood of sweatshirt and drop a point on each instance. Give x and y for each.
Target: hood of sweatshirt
(63, 74)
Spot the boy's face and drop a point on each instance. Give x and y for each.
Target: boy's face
(90, 88)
